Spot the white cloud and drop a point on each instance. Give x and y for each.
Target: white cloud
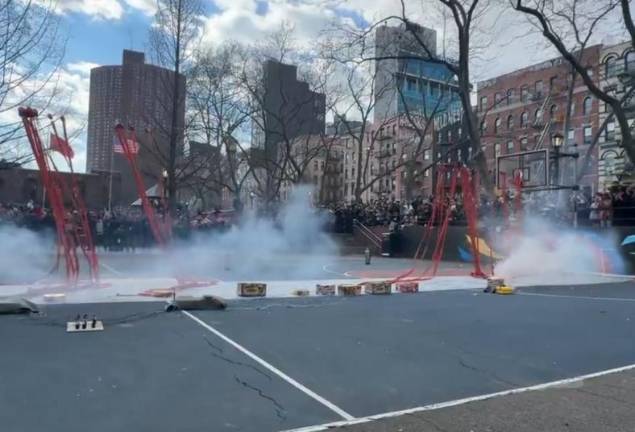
(237, 20)
(70, 89)
(81, 67)
(148, 7)
(102, 9)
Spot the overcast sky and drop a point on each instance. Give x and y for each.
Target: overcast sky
(98, 31)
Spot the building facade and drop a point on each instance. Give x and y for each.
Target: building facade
(403, 84)
(395, 161)
(617, 76)
(288, 109)
(22, 185)
(139, 95)
(523, 110)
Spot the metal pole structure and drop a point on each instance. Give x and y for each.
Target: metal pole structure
(112, 160)
(556, 165)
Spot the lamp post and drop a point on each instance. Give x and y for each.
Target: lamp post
(164, 175)
(556, 143)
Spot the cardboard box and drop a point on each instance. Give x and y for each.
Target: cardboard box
(251, 289)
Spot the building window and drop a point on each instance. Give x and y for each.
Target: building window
(524, 119)
(610, 67)
(497, 149)
(498, 98)
(538, 88)
(538, 116)
(497, 125)
(571, 135)
(629, 59)
(510, 122)
(523, 144)
(553, 82)
(411, 84)
(510, 96)
(510, 146)
(524, 94)
(609, 134)
(426, 155)
(588, 134)
(483, 103)
(586, 107)
(483, 127)
(553, 110)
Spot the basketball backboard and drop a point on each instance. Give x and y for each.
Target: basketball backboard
(531, 167)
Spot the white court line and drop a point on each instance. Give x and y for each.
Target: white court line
(448, 404)
(273, 369)
(110, 269)
(613, 275)
(621, 299)
(325, 268)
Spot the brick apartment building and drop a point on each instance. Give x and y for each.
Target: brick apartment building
(617, 75)
(139, 94)
(524, 109)
(388, 148)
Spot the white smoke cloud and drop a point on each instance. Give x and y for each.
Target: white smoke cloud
(551, 254)
(294, 245)
(25, 256)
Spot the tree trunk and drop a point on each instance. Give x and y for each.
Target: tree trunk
(174, 133)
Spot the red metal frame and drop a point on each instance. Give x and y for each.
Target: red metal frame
(159, 231)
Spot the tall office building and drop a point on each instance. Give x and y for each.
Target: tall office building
(289, 109)
(406, 84)
(138, 94)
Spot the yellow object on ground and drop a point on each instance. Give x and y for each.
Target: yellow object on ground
(504, 289)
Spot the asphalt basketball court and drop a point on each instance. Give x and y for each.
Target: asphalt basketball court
(280, 364)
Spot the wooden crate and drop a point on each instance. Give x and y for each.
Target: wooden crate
(325, 289)
(251, 289)
(349, 290)
(408, 287)
(378, 288)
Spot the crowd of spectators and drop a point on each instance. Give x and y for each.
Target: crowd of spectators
(394, 213)
(128, 228)
(616, 207)
(116, 229)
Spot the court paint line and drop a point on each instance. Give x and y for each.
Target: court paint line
(613, 275)
(326, 269)
(110, 269)
(436, 406)
(340, 412)
(619, 299)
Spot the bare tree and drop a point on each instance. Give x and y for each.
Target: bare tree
(570, 24)
(173, 37)
(465, 19)
(285, 119)
(31, 51)
(217, 104)
(364, 91)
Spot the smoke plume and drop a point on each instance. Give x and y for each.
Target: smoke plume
(549, 253)
(293, 245)
(25, 256)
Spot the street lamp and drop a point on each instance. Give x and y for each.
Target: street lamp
(557, 141)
